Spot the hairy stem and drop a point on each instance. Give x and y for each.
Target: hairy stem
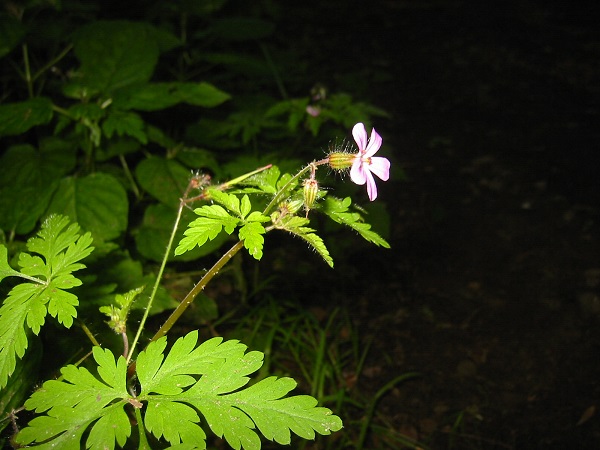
(189, 298)
(158, 278)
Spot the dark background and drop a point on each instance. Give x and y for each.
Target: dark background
(491, 290)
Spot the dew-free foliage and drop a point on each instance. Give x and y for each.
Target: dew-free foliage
(54, 255)
(216, 218)
(209, 378)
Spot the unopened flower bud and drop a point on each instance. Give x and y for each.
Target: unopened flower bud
(310, 191)
(341, 160)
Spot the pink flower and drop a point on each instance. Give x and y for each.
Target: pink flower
(365, 164)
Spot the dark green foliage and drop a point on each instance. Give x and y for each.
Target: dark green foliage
(105, 117)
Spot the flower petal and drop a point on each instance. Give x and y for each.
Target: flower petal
(360, 136)
(380, 167)
(358, 174)
(371, 186)
(374, 143)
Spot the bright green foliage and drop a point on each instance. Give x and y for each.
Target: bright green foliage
(77, 401)
(208, 378)
(55, 254)
(296, 225)
(118, 314)
(216, 218)
(338, 210)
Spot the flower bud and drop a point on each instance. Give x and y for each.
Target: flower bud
(341, 160)
(310, 191)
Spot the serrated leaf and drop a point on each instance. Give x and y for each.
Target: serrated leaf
(183, 359)
(60, 249)
(230, 412)
(157, 96)
(251, 233)
(79, 401)
(296, 225)
(229, 201)
(125, 123)
(265, 181)
(28, 179)
(154, 233)
(338, 210)
(98, 202)
(113, 54)
(17, 118)
(164, 179)
(5, 269)
(213, 219)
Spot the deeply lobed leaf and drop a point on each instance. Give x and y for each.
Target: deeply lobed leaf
(79, 401)
(59, 249)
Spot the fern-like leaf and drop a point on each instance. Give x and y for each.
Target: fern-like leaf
(213, 219)
(49, 274)
(75, 403)
(296, 225)
(230, 412)
(208, 378)
(338, 210)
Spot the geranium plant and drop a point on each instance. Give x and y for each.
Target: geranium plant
(172, 393)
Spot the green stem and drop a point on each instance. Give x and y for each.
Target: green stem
(129, 176)
(274, 71)
(157, 282)
(52, 62)
(189, 298)
(285, 189)
(27, 71)
(144, 445)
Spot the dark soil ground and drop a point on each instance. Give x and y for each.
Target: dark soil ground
(491, 291)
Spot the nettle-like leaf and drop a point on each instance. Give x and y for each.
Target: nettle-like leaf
(296, 226)
(98, 202)
(76, 402)
(338, 210)
(208, 378)
(57, 250)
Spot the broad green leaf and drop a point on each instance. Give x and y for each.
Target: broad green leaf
(28, 179)
(98, 202)
(11, 33)
(79, 401)
(165, 179)
(17, 118)
(157, 96)
(124, 123)
(213, 219)
(58, 250)
(198, 158)
(113, 54)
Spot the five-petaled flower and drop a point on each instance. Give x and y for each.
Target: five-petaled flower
(365, 164)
